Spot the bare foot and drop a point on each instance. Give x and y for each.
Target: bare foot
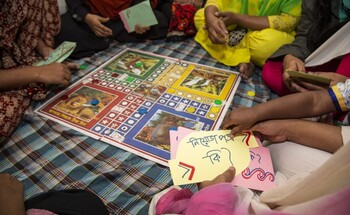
(227, 176)
(246, 70)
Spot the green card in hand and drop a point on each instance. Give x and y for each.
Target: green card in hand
(139, 14)
(61, 53)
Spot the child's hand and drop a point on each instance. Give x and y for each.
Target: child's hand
(225, 177)
(95, 23)
(140, 29)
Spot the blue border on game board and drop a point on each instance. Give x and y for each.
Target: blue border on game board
(129, 138)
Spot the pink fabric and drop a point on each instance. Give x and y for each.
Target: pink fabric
(223, 199)
(216, 199)
(39, 212)
(344, 66)
(272, 73)
(272, 76)
(174, 201)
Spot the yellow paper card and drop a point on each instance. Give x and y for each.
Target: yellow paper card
(203, 155)
(248, 138)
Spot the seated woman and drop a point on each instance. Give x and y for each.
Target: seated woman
(322, 189)
(244, 33)
(26, 36)
(94, 24)
(320, 19)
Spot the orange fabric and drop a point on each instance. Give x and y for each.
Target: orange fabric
(110, 8)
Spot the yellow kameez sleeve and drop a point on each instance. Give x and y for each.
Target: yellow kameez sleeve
(284, 22)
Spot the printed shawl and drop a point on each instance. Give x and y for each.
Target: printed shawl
(23, 22)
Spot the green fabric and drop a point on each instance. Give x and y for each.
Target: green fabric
(259, 7)
(270, 7)
(344, 10)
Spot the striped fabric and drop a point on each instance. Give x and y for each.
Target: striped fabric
(45, 155)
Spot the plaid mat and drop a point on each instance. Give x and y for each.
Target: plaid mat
(45, 155)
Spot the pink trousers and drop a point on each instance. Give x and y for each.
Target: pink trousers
(272, 72)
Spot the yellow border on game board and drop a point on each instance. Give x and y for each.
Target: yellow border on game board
(229, 82)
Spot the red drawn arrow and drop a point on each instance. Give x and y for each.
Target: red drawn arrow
(192, 168)
(247, 140)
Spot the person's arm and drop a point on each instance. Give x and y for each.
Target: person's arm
(95, 22)
(284, 22)
(81, 12)
(298, 47)
(55, 73)
(313, 134)
(292, 106)
(11, 195)
(245, 21)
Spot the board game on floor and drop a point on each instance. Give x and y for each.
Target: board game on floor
(134, 99)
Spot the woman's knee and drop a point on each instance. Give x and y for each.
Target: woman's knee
(266, 73)
(272, 74)
(264, 43)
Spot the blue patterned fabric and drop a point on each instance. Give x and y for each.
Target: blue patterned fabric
(45, 155)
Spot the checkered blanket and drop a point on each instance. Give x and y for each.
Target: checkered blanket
(45, 155)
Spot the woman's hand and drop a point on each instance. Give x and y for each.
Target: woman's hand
(227, 17)
(301, 86)
(239, 119)
(272, 130)
(95, 23)
(335, 77)
(291, 63)
(43, 49)
(56, 73)
(215, 26)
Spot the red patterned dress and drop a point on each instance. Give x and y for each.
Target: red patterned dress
(22, 24)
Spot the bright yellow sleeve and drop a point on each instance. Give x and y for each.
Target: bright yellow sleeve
(284, 22)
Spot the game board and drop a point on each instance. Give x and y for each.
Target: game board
(135, 98)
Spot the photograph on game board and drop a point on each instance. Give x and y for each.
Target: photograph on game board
(150, 90)
(134, 64)
(85, 103)
(205, 82)
(156, 130)
(156, 92)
